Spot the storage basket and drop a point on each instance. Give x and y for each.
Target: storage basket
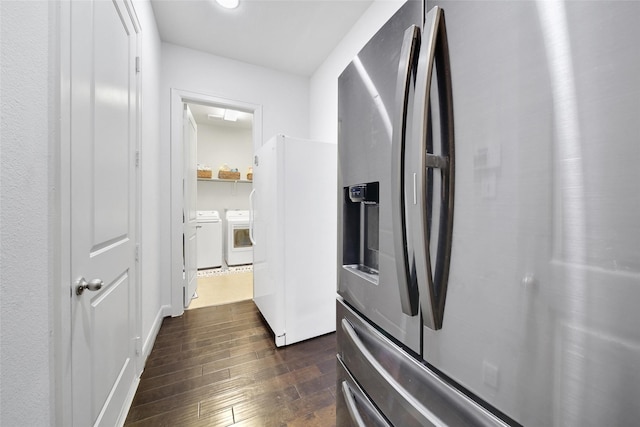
(250, 176)
(228, 175)
(204, 174)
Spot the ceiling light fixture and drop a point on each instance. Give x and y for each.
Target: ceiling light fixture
(231, 115)
(228, 4)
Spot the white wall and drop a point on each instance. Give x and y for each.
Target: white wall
(220, 144)
(219, 196)
(151, 226)
(323, 92)
(284, 99)
(27, 209)
(217, 145)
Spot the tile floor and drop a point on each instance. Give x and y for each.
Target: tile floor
(223, 287)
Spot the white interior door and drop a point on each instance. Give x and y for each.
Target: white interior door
(190, 138)
(103, 194)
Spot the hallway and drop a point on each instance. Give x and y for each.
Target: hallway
(218, 366)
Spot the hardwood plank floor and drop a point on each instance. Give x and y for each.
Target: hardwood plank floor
(219, 366)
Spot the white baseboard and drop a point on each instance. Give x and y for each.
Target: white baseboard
(127, 404)
(164, 311)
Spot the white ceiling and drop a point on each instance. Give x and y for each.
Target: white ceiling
(201, 116)
(294, 36)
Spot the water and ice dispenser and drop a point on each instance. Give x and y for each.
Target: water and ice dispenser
(361, 229)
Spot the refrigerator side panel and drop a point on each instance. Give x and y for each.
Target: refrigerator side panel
(308, 222)
(541, 312)
(268, 260)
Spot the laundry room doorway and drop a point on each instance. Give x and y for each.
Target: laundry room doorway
(228, 133)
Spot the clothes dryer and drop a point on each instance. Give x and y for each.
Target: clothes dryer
(238, 247)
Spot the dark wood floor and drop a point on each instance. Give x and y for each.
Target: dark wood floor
(218, 366)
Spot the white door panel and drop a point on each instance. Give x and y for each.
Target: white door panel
(111, 353)
(103, 184)
(190, 141)
(112, 128)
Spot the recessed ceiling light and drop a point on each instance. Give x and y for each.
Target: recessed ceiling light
(228, 4)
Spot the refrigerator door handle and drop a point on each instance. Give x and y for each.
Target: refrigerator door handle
(351, 405)
(354, 412)
(251, 217)
(432, 283)
(409, 298)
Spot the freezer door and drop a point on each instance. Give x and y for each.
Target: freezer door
(406, 392)
(368, 120)
(541, 318)
(353, 407)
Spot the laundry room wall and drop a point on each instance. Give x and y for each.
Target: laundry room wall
(220, 144)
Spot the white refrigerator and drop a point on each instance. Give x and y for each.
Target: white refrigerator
(293, 222)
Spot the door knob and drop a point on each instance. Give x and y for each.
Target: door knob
(93, 285)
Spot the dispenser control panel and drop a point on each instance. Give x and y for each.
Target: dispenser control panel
(364, 193)
(358, 193)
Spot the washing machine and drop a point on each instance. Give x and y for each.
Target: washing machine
(238, 247)
(209, 240)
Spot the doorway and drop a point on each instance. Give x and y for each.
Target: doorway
(220, 142)
(223, 161)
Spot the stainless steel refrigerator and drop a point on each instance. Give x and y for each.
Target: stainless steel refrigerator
(489, 217)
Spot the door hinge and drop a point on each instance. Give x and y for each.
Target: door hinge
(137, 252)
(137, 64)
(137, 158)
(138, 346)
